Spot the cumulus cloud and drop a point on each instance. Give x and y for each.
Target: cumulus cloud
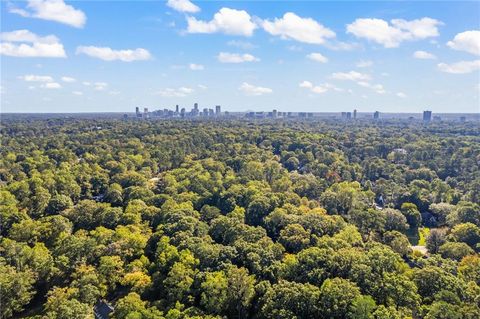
(36, 78)
(468, 41)
(318, 89)
(77, 92)
(390, 35)
(293, 27)
(178, 92)
(317, 57)
(401, 95)
(53, 10)
(183, 6)
(51, 85)
(244, 45)
(351, 76)
(100, 86)
(228, 21)
(461, 67)
(364, 64)
(424, 55)
(196, 67)
(253, 90)
(225, 57)
(361, 79)
(26, 44)
(375, 87)
(108, 54)
(68, 79)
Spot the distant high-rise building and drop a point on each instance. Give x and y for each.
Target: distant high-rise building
(344, 115)
(349, 115)
(211, 112)
(195, 106)
(274, 114)
(376, 115)
(137, 110)
(182, 112)
(205, 112)
(354, 114)
(427, 116)
(218, 109)
(145, 112)
(176, 108)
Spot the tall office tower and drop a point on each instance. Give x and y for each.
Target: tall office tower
(376, 115)
(137, 110)
(349, 115)
(274, 114)
(205, 111)
(427, 116)
(218, 109)
(344, 115)
(354, 114)
(176, 108)
(145, 112)
(195, 106)
(210, 112)
(182, 112)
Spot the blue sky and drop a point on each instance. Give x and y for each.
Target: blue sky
(105, 56)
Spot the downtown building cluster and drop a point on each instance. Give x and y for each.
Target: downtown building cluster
(179, 113)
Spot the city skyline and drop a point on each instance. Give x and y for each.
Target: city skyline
(319, 56)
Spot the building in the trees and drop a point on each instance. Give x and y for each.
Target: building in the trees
(376, 115)
(427, 116)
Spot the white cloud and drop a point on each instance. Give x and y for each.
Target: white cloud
(225, 57)
(318, 89)
(23, 43)
(100, 86)
(317, 57)
(53, 10)
(361, 79)
(241, 44)
(423, 55)
(468, 41)
(196, 67)
(203, 87)
(342, 46)
(228, 21)
(461, 67)
(36, 78)
(351, 76)
(179, 92)
(86, 83)
(183, 6)
(401, 95)
(107, 54)
(364, 64)
(253, 90)
(376, 87)
(391, 35)
(51, 85)
(77, 92)
(297, 28)
(68, 79)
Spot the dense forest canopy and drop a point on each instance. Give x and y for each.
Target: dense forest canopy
(239, 219)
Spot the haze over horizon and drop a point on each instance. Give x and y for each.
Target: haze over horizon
(308, 56)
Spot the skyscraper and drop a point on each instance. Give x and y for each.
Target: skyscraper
(376, 115)
(218, 110)
(354, 114)
(176, 108)
(427, 116)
